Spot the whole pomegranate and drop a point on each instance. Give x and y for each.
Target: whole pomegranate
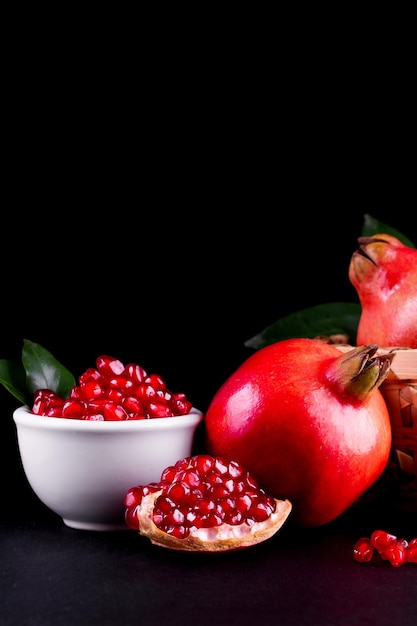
(384, 273)
(309, 421)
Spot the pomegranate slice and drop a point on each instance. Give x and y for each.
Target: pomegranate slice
(205, 503)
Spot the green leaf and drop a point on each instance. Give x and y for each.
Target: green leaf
(13, 378)
(372, 226)
(43, 371)
(328, 319)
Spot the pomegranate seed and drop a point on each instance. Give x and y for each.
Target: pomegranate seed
(74, 409)
(114, 394)
(120, 382)
(114, 412)
(132, 404)
(159, 409)
(146, 392)
(233, 517)
(44, 400)
(109, 367)
(396, 553)
(381, 540)
(203, 463)
(92, 389)
(412, 551)
(133, 497)
(363, 550)
(90, 375)
(179, 492)
(131, 517)
(169, 474)
(189, 476)
(156, 382)
(243, 503)
(135, 372)
(179, 532)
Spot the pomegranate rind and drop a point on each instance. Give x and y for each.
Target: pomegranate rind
(215, 539)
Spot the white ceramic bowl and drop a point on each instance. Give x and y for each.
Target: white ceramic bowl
(82, 470)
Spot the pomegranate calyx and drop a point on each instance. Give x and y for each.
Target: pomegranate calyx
(214, 539)
(358, 372)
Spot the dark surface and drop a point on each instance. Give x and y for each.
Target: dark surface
(52, 575)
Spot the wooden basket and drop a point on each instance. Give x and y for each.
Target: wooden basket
(400, 394)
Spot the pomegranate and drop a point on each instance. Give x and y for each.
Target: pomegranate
(308, 421)
(384, 273)
(205, 503)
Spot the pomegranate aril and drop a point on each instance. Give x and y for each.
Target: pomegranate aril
(363, 550)
(74, 409)
(135, 372)
(179, 532)
(235, 486)
(115, 395)
(234, 518)
(202, 463)
(156, 382)
(169, 474)
(92, 389)
(396, 553)
(211, 520)
(133, 496)
(176, 516)
(114, 412)
(180, 406)
(44, 400)
(109, 366)
(121, 383)
(219, 491)
(235, 469)
(53, 411)
(90, 375)
(131, 518)
(412, 551)
(179, 492)
(221, 465)
(243, 503)
(146, 392)
(260, 509)
(159, 409)
(381, 540)
(189, 476)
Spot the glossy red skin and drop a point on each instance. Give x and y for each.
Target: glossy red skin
(387, 290)
(303, 437)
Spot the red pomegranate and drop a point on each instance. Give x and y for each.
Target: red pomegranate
(384, 273)
(309, 421)
(205, 504)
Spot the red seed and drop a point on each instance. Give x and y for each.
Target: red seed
(412, 551)
(396, 553)
(363, 550)
(381, 540)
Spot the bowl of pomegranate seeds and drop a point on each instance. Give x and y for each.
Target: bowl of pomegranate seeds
(118, 425)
